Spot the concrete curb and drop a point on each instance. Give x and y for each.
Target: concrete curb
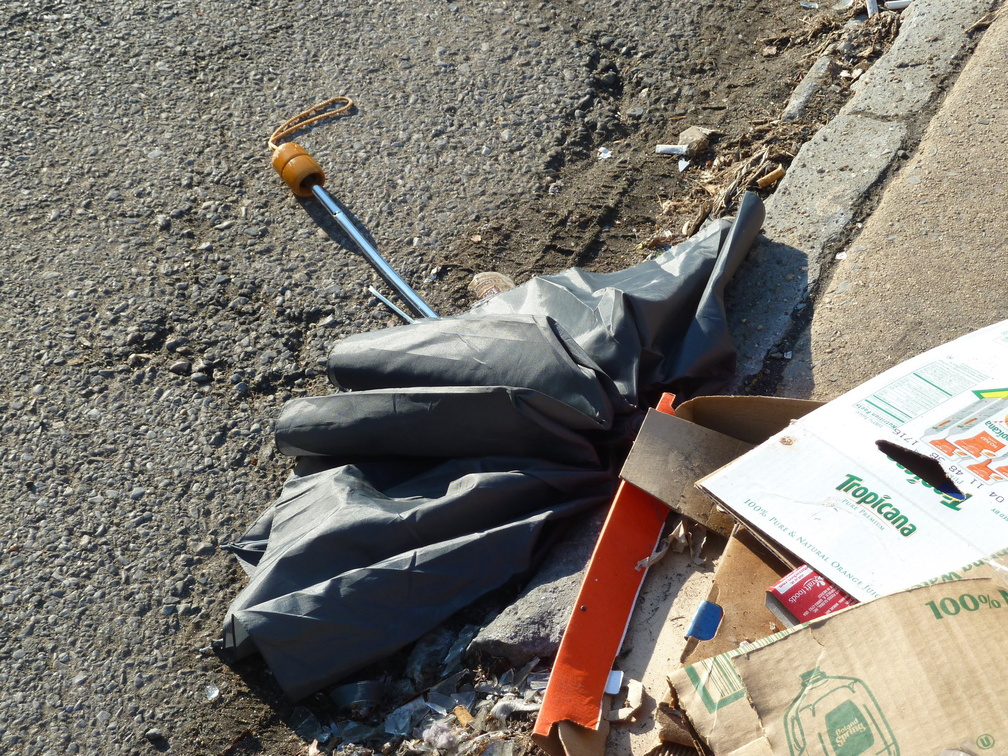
(833, 176)
(939, 228)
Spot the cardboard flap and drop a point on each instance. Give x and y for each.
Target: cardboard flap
(566, 738)
(752, 419)
(937, 643)
(670, 455)
(928, 645)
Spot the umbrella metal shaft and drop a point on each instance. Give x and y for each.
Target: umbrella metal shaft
(385, 270)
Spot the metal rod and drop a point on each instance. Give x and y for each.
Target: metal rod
(390, 304)
(377, 261)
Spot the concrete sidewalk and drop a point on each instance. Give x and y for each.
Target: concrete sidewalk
(835, 180)
(931, 262)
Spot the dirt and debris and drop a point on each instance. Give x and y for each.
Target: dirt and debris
(609, 214)
(757, 159)
(469, 712)
(731, 167)
(845, 32)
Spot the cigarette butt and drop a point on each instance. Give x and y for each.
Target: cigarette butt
(670, 149)
(771, 178)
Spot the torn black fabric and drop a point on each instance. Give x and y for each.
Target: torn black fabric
(429, 478)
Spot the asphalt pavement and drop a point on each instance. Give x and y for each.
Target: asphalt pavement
(164, 295)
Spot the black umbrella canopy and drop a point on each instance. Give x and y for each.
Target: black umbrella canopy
(453, 446)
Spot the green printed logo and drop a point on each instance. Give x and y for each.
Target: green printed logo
(847, 730)
(716, 682)
(995, 428)
(881, 504)
(837, 716)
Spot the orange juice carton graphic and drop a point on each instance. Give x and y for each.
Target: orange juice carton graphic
(937, 435)
(984, 435)
(990, 469)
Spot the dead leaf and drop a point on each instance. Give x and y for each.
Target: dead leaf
(660, 239)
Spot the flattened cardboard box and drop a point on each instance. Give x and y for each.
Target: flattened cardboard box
(841, 489)
(671, 453)
(841, 685)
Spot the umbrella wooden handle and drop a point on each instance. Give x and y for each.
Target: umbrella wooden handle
(297, 168)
